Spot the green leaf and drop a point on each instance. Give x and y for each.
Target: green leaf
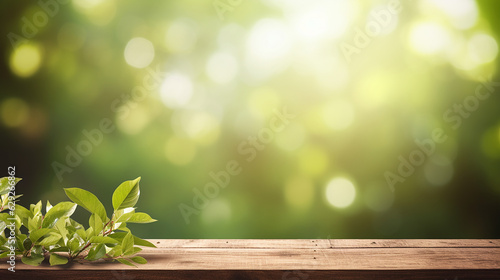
(142, 242)
(74, 224)
(126, 194)
(87, 200)
(81, 232)
(3, 226)
(24, 214)
(89, 232)
(141, 218)
(4, 217)
(128, 244)
(103, 239)
(4, 199)
(137, 241)
(124, 214)
(63, 209)
(136, 250)
(20, 238)
(27, 243)
(37, 250)
(48, 206)
(124, 261)
(75, 244)
(36, 234)
(115, 251)
(5, 186)
(63, 231)
(96, 223)
(139, 260)
(35, 260)
(121, 226)
(59, 249)
(55, 259)
(34, 223)
(50, 240)
(96, 252)
(36, 209)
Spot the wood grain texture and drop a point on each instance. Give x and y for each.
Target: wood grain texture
(291, 259)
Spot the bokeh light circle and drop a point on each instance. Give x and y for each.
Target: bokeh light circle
(176, 90)
(25, 60)
(139, 52)
(14, 112)
(340, 192)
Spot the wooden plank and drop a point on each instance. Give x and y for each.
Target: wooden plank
(286, 259)
(321, 259)
(324, 243)
(255, 275)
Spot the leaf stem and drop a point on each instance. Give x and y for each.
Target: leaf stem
(109, 222)
(83, 249)
(103, 234)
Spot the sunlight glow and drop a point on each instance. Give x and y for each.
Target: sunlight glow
(176, 90)
(25, 60)
(340, 192)
(482, 48)
(139, 52)
(463, 14)
(429, 38)
(322, 20)
(222, 68)
(268, 47)
(99, 12)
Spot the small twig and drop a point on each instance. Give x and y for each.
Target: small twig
(108, 232)
(109, 222)
(83, 249)
(103, 233)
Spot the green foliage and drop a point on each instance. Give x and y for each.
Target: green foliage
(56, 259)
(87, 200)
(55, 231)
(126, 195)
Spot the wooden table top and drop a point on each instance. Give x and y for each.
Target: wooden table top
(292, 259)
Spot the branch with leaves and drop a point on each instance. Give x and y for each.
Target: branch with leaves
(62, 239)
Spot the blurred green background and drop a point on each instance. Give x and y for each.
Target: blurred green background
(364, 82)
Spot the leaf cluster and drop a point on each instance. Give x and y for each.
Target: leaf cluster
(51, 232)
